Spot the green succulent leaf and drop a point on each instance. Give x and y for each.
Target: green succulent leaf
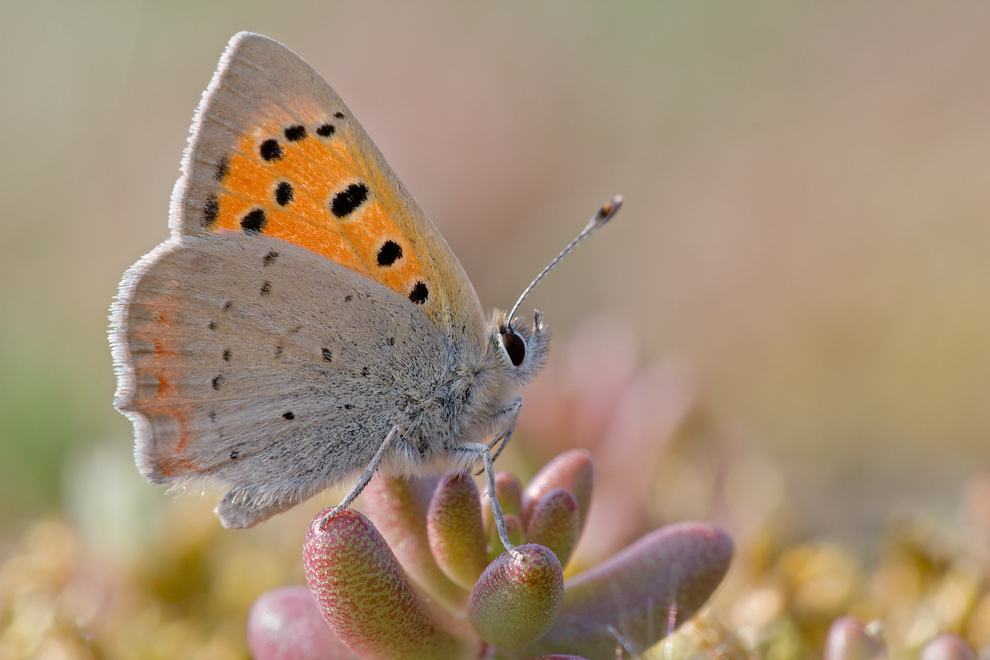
(455, 529)
(555, 522)
(369, 601)
(517, 598)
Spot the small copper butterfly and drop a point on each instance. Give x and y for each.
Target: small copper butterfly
(305, 321)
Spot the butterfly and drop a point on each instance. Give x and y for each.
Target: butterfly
(306, 322)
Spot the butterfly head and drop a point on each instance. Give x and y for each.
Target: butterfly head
(520, 347)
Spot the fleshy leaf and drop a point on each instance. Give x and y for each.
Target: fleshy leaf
(509, 491)
(947, 646)
(513, 527)
(633, 592)
(574, 471)
(287, 624)
(518, 596)
(848, 639)
(367, 598)
(555, 522)
(398, 509)
(455, 529)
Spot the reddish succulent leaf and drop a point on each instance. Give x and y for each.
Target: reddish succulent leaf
(398, 509)
(849, 640)
(509, 491)
(574, 471)
(633, 591)
(555, 522)
(517, 535)
(287, 624)
(947, 646)
(455, 529)
(517, 598)
(368, 600)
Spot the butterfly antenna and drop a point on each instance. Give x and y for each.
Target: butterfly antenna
(603, 215)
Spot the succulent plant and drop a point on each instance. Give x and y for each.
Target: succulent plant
(425, 576)
(851, 639)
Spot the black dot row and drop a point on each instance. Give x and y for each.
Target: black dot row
(343, 204)
(254, 221)
(271, 150)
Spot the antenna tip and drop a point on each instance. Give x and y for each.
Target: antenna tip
(610, 208)
(606, 212)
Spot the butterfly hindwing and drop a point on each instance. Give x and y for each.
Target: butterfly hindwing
(275, 151)
(229, 370)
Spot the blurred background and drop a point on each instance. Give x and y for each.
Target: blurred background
(805, 232)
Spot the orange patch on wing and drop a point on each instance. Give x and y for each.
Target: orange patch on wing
(294, 183)
(157, 372)
(318, 164)
(176, 465)
(370, 228)
(329, 244)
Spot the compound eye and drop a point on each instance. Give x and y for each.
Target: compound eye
(514, 346)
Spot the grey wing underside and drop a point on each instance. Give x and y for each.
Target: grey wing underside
(249, 360)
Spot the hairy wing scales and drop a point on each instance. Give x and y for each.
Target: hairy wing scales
(259, 390)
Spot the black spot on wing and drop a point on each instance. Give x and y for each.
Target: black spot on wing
(326, 130)
(284, 193)
(271, 150)
(270, 257)
(389, 253)
(266, 288)
(222, 168)
(289, 415)
(211, 211)
(346, 201)
(419, 293)
(254, 222)
(338, 115)
(327, 355)
(217, 382)
(295, 133)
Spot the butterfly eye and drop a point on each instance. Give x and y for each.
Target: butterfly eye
(514, 346)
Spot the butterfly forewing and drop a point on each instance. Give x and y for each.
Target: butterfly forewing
(275, 151)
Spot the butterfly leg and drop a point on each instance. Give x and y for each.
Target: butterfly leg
(506, 417)
(485, 453)
(365, 477)
(504, 421)
(509, 412)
